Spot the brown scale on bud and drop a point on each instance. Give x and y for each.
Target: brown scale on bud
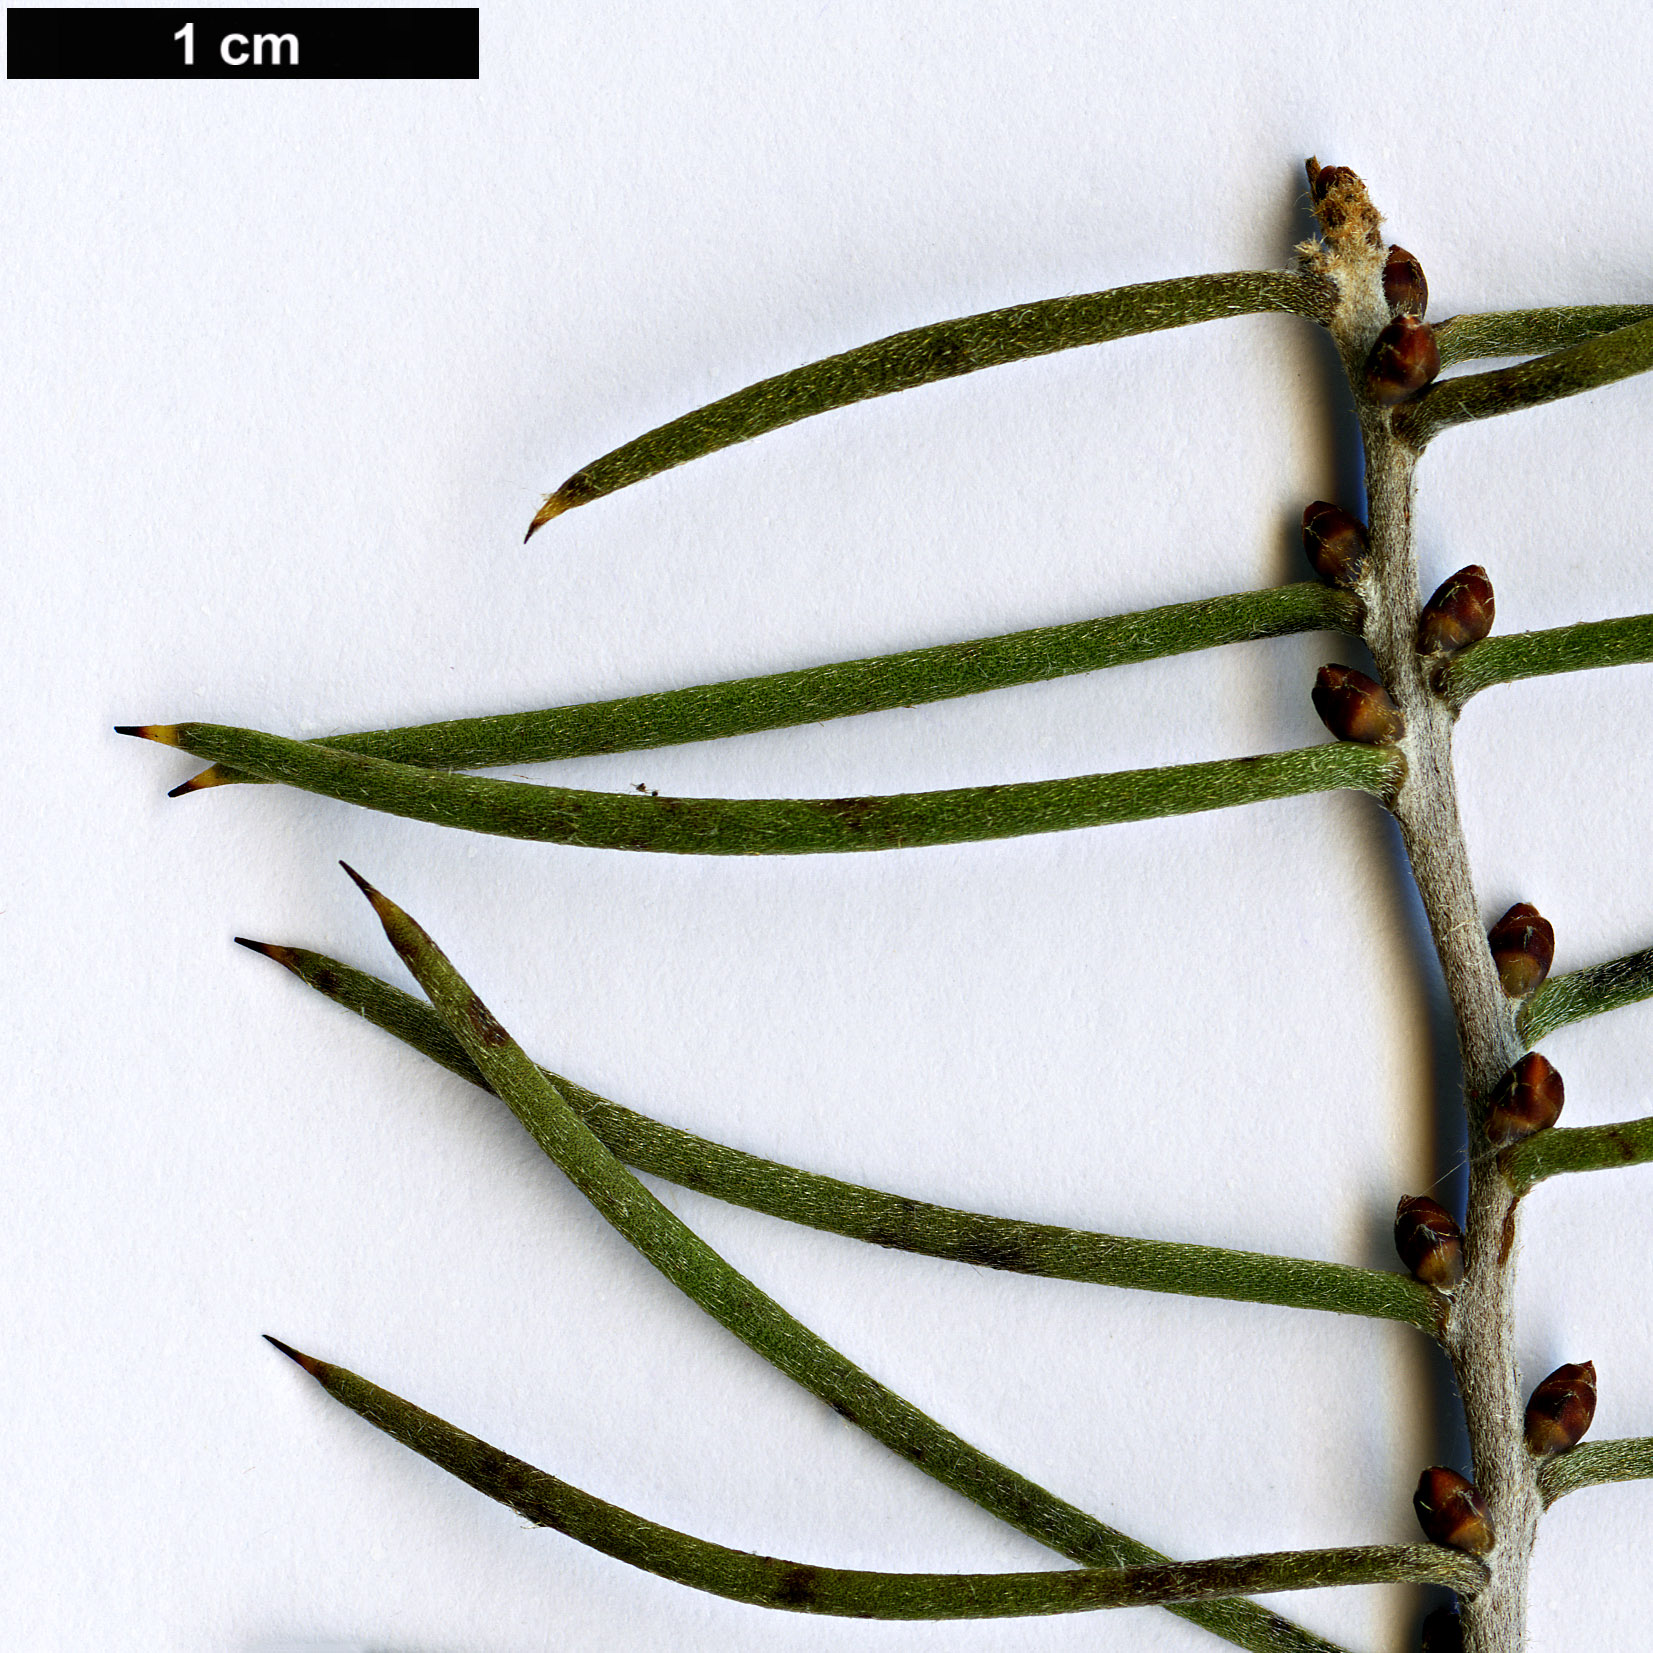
(1460, 612)
(1430, 1243)
(1403, 360)
(1523, 948)
(1443, 1632)
(1561, 1409)
(1335, 543)
(1452, 1512)
(1404, 285)
(1343, 207)
(1527, 1099)
(1353, 707)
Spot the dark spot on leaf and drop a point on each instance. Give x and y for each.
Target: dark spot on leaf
(483, 1024)
(998, 1250)
(949, 356)
(797, 1585)
(850, 813)
(326, 981)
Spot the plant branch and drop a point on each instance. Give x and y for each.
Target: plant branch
(1576, 648)
(894, 1220)
(1595, 1464)
(1601, 361)
(1588, 992)
(1577, 1148)
(782, 826)
(711, 711)
(923, 355)
(841, 1592)
(1479, 1332)
(1528, 332)
(763, 1325)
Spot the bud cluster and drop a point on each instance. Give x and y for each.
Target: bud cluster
(1460, 612)
(1526, 1100)
(1452, 1512)
(1404, 358)
(1443, 1632)
(1523, 948)
(1430, 1243)
(1354, 707)
(1335, 543)
(1403, 284)
(1561, 1410)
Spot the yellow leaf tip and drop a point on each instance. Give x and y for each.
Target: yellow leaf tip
(199, 783)
(165, 733)
(555, 504)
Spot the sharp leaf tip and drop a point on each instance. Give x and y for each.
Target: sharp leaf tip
(314, 1367)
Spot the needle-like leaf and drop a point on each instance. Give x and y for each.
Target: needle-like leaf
(1530, 332)
(894, 1220)
(1588, 992)
(1601, 361)
(782, 826)
(1576, 648)
(737, 1304)
(711, 711)
(1595, 1464)
(841, 1592)
(940, 351)
(1577, 1148)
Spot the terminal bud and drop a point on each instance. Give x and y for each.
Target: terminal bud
(1334, 542)
(1404, 285)
(1523, 948)
(1561, 1409)
(1452, 1512)
(1325, 179)
(1404, 359)
(1430, 1243)
(1527, 1099)
(1460, 612)
(1443, 1632)
(1353, 707)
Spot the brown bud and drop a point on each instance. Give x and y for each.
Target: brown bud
(1353, 707)
(1430, 1243)
(1528, 1098)
(1404, 285)
(1343, 207)
(1328, 178)
(1334, 542)
(1460, 612)
(1443, 1632)
(1523, 948)
(1403, 360)
(1452, 1512)
(1561, 1409)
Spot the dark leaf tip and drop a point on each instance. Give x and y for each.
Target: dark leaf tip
(314, 1367)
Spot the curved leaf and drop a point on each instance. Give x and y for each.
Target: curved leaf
(942, 350)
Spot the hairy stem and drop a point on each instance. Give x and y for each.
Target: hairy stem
(1479, 1331)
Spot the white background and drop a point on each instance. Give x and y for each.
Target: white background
(290, 367)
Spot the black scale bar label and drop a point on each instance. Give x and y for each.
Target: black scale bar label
(266, 43)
